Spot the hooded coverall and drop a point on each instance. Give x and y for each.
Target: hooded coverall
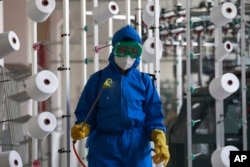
(124, 116)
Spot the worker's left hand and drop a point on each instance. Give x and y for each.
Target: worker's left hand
(161, 148)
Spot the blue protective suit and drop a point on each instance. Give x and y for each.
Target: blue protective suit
(126, 113)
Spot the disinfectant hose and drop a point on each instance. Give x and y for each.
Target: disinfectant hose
(77, 156)
(106, 84)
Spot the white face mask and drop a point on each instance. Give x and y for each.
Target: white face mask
(124, 62)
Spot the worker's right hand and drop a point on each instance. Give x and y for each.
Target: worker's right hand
(80, 131)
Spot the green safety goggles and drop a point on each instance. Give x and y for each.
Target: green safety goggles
(124, 48)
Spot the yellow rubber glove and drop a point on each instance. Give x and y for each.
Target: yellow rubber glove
(80, 131)
(161, 148)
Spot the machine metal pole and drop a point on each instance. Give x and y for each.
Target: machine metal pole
(219, 108)
(84, 65)
(1, 27)
(157, 45)
(84, 40)
(243, 75)
(138, 22)
(96, 40)
(110, 24)
(179, 74)
(66, 36)
(189, 84)
(128, 12)
(34, 103)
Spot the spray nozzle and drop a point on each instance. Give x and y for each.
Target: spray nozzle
(107, 83)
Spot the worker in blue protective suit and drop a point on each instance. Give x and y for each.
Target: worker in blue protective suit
(128, 114)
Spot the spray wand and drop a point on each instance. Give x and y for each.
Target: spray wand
(107, 84)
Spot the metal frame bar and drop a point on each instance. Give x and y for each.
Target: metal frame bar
(66, 56)
(243, 76)
(189, 84)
